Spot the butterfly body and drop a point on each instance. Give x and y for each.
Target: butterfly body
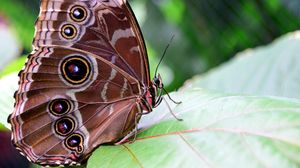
(85, 83)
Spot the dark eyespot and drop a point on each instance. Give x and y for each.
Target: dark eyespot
(75, 142)
(69, 31)
(78, 13)
(76, 69)
(60, 107)
(64, 126)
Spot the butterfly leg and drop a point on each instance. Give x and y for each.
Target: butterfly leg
(127, 138)
(132, 134)
(159, 99)
(174, 115)
(138, 115)
(171, 97)
(146, 110)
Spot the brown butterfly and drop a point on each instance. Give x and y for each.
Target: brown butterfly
(85, 83)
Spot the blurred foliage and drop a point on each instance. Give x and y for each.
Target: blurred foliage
(207, 33)
(214, 31)
(21, 18)
(14, 66)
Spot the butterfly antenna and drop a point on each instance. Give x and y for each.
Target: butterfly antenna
(165, 51)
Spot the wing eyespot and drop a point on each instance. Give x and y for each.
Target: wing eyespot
(69, 31)
(75, 142)
(76, 69)
(60, 107)
(64, 126)
(78, 13)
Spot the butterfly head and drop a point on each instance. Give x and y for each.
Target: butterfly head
(157, 81)
(154, 93)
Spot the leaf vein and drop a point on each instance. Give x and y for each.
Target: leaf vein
(201, 156)
(133, 156)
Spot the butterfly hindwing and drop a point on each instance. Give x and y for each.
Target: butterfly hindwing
(101, 109)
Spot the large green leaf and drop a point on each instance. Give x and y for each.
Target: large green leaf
(218, 131)
(270, 70)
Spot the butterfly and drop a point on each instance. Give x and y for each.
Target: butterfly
(85, 83)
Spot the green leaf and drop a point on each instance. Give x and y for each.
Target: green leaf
(217, 131)
(270, 70)
(8, 85)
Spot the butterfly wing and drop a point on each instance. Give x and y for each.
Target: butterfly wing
(109, 29)
(83, 83)
(50, 110)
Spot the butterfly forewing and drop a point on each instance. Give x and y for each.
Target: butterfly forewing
(84, 84)
(109, 30)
